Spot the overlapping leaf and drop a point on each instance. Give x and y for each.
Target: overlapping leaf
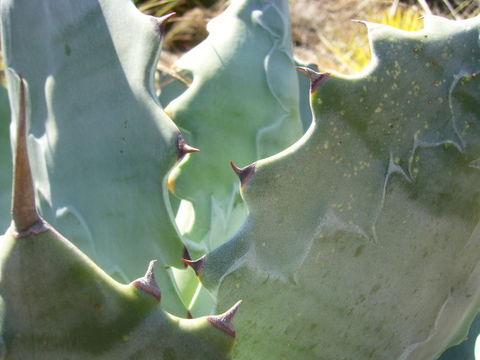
(242, 104)
(100, 143)
(362, 240)
(57, 304)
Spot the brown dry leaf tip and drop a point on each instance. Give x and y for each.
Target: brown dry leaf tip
(196, 265)
(183, 148)
(189, 315)
(24, 213)
(243, 173)
(224, 321)
(161, 23)
(316, 78)
(148, 283)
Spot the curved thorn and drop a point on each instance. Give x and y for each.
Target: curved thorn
(24, 212)
(224, 321)
(161, 23)
(186, 255)
(196, 265)
(316, 78)
(183, 148)
(148, 283)
(243, 173)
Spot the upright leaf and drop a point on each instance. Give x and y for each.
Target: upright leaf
(101, 145)
(242, 104)
(57, 304)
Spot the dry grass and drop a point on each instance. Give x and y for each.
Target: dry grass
(323, 30)
(330, 39)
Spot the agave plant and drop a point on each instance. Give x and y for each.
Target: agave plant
(355, 240)
(90, 314)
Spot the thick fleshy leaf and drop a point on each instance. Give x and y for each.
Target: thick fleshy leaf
(465, 350)
(68, 308)
(363, 238)
(100, 143)
(57, 304)
(237, 108)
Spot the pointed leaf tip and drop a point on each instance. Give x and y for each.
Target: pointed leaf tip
(196, 265)
(316, 78)
(148, 283)
(24, 212)
(243, 173)
(161, 23)
(224, 321)
(183, 148)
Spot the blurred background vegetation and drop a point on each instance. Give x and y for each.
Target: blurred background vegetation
(323, 30)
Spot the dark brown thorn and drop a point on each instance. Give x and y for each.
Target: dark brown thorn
(243, 173)
(196, 265)
(148, 283)
(24, 212)
(183, 148)
(186, 255)
(161, 24)
(316, 78)
(189, 315)
(224, 321)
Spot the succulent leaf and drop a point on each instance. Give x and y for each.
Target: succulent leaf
(67, 307)
(363, 238)
(102, 146)
(245, 71)
(465, 350)
(58, 304)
